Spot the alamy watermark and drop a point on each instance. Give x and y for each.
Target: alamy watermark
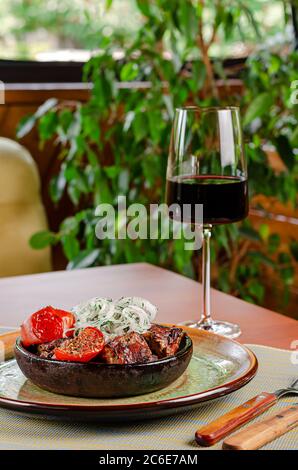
(158, 221)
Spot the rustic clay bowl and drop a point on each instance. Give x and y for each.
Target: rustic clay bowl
(98, 380)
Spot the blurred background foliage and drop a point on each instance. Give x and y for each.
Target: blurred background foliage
(39, 29)
(117, 143)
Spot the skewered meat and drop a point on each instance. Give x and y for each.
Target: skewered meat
(127, 349)
(164, 341)
(46, 350)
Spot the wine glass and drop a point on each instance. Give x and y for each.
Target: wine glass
(206, 165)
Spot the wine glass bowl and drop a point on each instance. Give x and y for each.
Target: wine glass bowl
(207, 166)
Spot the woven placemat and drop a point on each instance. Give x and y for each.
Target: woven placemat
(276, 370)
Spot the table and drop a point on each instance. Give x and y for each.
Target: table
(177, 297)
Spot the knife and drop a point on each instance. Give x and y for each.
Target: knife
(258, 434)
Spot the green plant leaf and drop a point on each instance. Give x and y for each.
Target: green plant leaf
(258, 107)
(71, 246)
(123, 181)
(57, 187)
(112, 171)
(294, 138)
(85, 259)
(287, 275)
(264, 231)
(257, 255)
(65, 118)
(250, 234)
(273, 243)
(198, 76)
(74, 193)
(285, 150)
(294, 249)
(47, 125)
(188, 22)
(25, 126)
(42, 239)
(256, 289)
(70, 225)
(108, 4)
(45, 107)
(140, 126)
(144, 7)
(284, 258)
(129, 72)
(104, 195)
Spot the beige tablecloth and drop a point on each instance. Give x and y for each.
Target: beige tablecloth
(276, 369)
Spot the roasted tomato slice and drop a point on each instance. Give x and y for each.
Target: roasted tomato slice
(68, 319)
(84, 347)
(46, 325)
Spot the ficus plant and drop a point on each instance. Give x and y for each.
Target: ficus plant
(117, 143)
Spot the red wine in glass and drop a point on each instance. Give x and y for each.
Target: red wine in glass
(224, 198)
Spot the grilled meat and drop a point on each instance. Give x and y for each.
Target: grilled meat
(156, 343)
(128, 349)
(46, 350)
(163, 341)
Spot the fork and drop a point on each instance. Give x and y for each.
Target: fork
(225, 424)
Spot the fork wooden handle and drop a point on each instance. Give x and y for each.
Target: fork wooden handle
(258, 434)
(7, 342)
(221, 427)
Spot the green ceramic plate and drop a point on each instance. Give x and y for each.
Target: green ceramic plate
(219, 366)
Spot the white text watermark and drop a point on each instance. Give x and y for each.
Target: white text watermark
(158, 221)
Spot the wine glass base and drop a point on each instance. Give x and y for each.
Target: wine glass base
(229, 330)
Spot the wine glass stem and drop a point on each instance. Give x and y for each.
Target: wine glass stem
(206, 315)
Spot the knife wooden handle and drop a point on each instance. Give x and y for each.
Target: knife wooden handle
(224, 425)
(258, 434)
(7, 342)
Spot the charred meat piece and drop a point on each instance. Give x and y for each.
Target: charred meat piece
(46, 350)
(128, 349)
(164, 341)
